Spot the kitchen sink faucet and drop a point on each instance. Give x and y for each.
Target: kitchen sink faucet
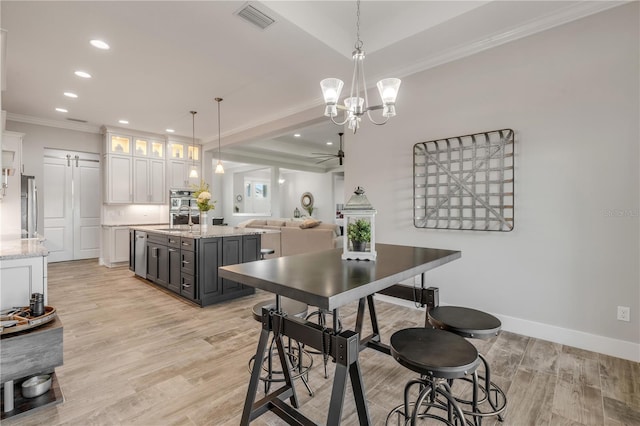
(189, 212)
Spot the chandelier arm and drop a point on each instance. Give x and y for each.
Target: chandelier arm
(338, 123)
(364, 87)
(374, 121)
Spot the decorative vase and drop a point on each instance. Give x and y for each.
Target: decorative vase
(203, 221)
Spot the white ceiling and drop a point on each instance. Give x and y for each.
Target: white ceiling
(168, 58)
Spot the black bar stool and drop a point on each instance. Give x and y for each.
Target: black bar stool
(439, 357)
(470, 323)
(296, 354)
(266, 251)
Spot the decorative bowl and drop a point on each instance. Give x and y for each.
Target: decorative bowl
(36, 386)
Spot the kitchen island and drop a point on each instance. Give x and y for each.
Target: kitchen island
(185, 260)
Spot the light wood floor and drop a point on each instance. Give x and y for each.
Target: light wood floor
(135, 355)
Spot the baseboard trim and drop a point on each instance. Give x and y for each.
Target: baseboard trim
(578, 339)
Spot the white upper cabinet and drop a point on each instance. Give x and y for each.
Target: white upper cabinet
(181, 159)
(135, 169)
(118, 179)
(148, 181)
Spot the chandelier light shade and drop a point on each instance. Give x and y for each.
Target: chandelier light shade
(219, 168)
(357, 104)
(193, 174)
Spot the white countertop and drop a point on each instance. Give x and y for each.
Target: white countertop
(18, 248)
(211, 231)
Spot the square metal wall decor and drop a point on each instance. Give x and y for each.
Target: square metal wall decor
(465, 182)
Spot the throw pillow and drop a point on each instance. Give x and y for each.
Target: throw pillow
(309, 223)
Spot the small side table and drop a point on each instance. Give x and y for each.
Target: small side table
(27, 353)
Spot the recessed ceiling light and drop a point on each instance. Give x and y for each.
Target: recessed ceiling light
(100, 44)
(170, 130)
(296, 135)
(123, 121)
(61, 110)
(82, 74)
(70, 95)
(329, 143)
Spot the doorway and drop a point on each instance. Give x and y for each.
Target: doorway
(72, 204)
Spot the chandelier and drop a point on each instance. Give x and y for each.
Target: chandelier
(357, 104)
(219, 168)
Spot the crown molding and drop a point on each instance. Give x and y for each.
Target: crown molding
(81, 127)
(556, 18)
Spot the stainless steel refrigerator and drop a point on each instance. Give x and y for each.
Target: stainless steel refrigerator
(29, 207)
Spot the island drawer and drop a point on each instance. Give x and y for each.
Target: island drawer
(188, 244)
(188, 287)
(157, 238)
(187, 262)
(173, 241)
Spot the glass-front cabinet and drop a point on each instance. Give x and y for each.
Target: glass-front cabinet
(184, 151)
(118, 144)
(182, 158)
(135, 169)
(148, 148)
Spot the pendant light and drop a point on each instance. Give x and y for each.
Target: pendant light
(219, 168)
(193, 174)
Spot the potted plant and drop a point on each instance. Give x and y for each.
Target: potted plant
(359, 233)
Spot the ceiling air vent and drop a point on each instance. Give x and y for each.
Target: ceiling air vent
(77, 120)
(255, 17)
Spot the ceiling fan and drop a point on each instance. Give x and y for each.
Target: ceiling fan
(327, 157)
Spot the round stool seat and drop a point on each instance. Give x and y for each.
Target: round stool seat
(435, 353)
(289, 306)
(465, 322)
(266, 251)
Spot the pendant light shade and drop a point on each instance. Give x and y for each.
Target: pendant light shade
(193, 174)
(219, 168)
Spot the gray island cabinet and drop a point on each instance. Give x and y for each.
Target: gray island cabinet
(186, 263)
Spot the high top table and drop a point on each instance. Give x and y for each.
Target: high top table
(324, 280)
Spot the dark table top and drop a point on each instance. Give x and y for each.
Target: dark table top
(324, 280)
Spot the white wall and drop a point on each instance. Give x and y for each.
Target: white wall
(572, 96)
(320, 185)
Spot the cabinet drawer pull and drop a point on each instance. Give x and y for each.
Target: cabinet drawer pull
(172, 250)
(185, 244)
(185, 262)
(172, 241)
(186, 285)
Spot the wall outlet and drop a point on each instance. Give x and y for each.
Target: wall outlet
(624, 313)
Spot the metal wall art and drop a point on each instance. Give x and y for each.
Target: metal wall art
(465, 182)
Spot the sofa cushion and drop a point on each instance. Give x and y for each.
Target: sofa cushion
(309, 223)
(293, 224)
